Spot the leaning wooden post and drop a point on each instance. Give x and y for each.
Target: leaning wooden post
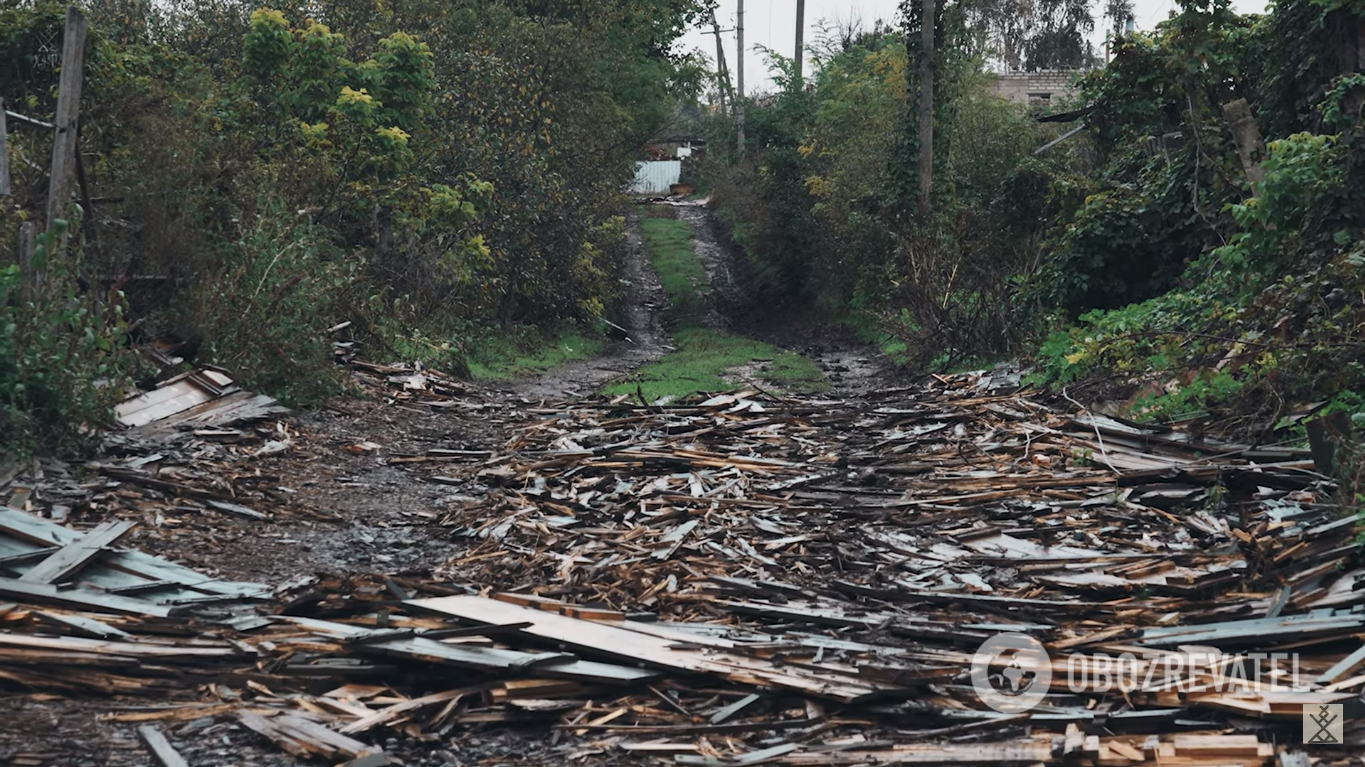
(927, 66)
(64, 141)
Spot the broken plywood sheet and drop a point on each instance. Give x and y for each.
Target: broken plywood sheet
(206, 397)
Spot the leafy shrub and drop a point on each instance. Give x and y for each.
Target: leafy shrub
(62, 363)
(424, 169)
(1275, 317)
(265, 314)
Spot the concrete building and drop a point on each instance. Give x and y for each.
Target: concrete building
(1039, 88)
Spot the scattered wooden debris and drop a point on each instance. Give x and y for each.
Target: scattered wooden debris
(750, 581)
(205, 398)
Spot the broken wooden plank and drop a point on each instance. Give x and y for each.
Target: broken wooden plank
(83, 599)
(618, 641)
(161, 749)
(1344, 668)
(76, 555)
(558, 665)
(302, 737)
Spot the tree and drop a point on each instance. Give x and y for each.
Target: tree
(1058, 40)
(1117, 13)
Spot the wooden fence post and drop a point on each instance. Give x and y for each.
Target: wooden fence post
(64, 141)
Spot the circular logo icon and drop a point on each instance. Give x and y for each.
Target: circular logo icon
(1011, 672)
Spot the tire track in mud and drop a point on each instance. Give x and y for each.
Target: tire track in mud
(738, 305)
(743, 306)
(646, 341)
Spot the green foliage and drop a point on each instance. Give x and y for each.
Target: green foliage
(502, 355)
(1191, 289)
(405, 78)
(1273, 318)
(824, 199)
(1168, 168)
(1303, 208)
(1294, 60)
(268, 46)
(282, 285)
(423, 169)
(62, 361)
(707, 360)
(1059, 40)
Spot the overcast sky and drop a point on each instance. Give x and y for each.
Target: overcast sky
(772, 24)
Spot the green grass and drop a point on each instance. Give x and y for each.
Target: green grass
(669, 245)
(503, 356)
(704, 360)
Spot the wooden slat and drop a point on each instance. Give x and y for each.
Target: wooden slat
(74, 556)
(165, 753)
(556, 665)
(82, 599)
(81, 625)
(301, 737)
(134, 567)
(1344, 667)
(160, 652)
(620, 642)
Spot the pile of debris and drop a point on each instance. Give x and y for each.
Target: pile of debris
(755, 580)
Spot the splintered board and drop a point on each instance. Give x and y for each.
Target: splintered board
(621, 643)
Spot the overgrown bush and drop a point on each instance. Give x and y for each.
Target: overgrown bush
(281, 285)
(427, 170)
(62, 362)
(1273, 319)
(818, 200)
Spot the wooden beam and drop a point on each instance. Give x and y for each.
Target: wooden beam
(82, 599)
(74, 556)
(165, 753)
(64, 142)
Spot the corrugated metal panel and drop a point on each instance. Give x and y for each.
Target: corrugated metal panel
(655, 177)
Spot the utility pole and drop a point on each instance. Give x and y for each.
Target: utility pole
(722, 72)
(926, 109)
(739, 42)
(800, 40)
(739, 101)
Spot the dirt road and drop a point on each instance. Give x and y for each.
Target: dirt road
(366, 515)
